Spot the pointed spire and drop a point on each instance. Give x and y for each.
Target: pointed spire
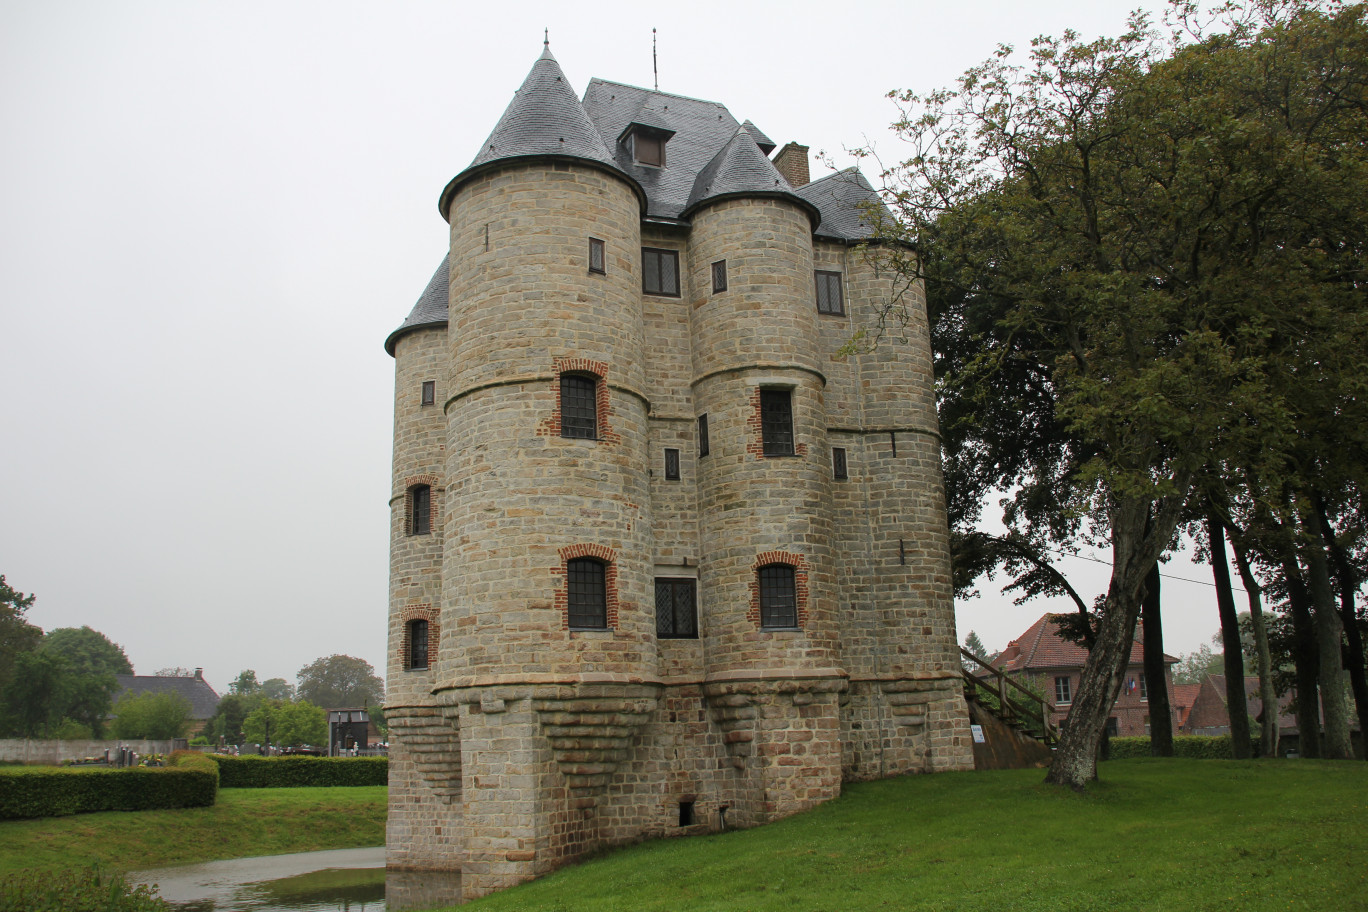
(741, 169)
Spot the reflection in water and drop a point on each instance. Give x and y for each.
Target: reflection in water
(345, 880)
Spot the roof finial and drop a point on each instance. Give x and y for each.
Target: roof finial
(546, 37)
(654, 68)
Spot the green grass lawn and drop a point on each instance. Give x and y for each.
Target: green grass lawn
(1153, 835)
(243, 823)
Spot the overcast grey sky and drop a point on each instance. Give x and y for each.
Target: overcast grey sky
(214, 213)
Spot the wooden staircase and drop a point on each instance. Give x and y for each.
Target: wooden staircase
(1017, 724)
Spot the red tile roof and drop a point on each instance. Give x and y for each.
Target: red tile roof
(1042, 647)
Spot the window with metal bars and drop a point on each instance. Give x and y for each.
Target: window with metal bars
(829, 299)
(776, 421)
(702, 435)
(778, 596)
(676, 608)
(579, 406)
(586, 581)
(660, 271)
(417, 644)
(420, 510)
(429, 392)
(719, 276)
(597, 260)
(671, 464)
(838, 463)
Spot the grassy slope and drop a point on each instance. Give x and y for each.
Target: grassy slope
(1153, 835)
(243, 823)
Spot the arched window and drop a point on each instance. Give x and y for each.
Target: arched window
(778, 596)
(579, 406)
(420, 510)
(587, 591)
(417, 636)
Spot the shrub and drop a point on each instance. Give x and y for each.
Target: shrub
(57, 792)
(1190, 747)
(75, 891)
(292, 772)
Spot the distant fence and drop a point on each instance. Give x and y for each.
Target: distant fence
(52, 753)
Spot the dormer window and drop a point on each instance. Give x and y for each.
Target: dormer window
(646, 141)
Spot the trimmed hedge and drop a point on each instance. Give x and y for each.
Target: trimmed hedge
(293, 772)
(46, 791)
(1189, 747)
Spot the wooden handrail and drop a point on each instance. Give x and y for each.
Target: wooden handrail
(1035, 708)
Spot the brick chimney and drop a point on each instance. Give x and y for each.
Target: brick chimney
(792, 162)
(199, 674)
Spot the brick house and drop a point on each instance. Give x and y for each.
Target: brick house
(665, 557)
(1054, 664)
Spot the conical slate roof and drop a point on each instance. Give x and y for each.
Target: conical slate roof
(764, 142)
(545, 118)
(431, 309)
(849, 205)
(741, 169)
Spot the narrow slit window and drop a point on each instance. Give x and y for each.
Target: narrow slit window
(660, 271)
(671, 464)
(829, 299)
(776, 421)
(420, 510)
(429, 392)
(719, 276)
(579, 406)
(702, 435)
(838, 463)
(586, 582)
(597, 261)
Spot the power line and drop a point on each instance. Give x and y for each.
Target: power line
(1167, 576)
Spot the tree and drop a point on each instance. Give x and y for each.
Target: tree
(178, 671)
(245, 683)
(151, 716)
(87, 651)
(230, 714)
(277, 689)
(340, 681)
(287, 724)
(17, 635)
(975, 645)
(1194, 667)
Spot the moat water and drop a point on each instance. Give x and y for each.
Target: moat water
(342, 880)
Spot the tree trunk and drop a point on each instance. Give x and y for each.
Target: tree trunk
(1268, 694)
(1236, 704)
(1348, 585)
(1306, 655)
(1156, 682)
(1329, 642)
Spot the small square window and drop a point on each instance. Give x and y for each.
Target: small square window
(676, 611)
(829, 300)
(660, 271)
(1063, 690)
(429, 392)
(596, 257)
(776, 421)
(838, 463)
(719, 276)
(702, 435)
(671, 465)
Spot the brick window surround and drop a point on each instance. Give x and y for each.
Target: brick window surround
(608, 559)
(553, 426)
(800, 567)
(410, 616)
(420, 504)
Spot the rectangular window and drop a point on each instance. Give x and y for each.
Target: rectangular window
(587, 591)
(702, 435)
(671, 465)
(420, 510)
(596, 257)
(776, 422)
(1112, 729)
(418, 644)
(1144, 688)
(660, 271)
(429, 392)
(838, 463)
(829, 300)
(676, 611)
(778, 596)
(719, 276)
(648, 150)
(579, 406)
(1063, 692)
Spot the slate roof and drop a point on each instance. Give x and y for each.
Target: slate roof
(1041, 647)
(431, 309)
(844, 199)
(202, 698)
(740, 169)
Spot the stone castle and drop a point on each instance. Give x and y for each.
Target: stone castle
(664, 559)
